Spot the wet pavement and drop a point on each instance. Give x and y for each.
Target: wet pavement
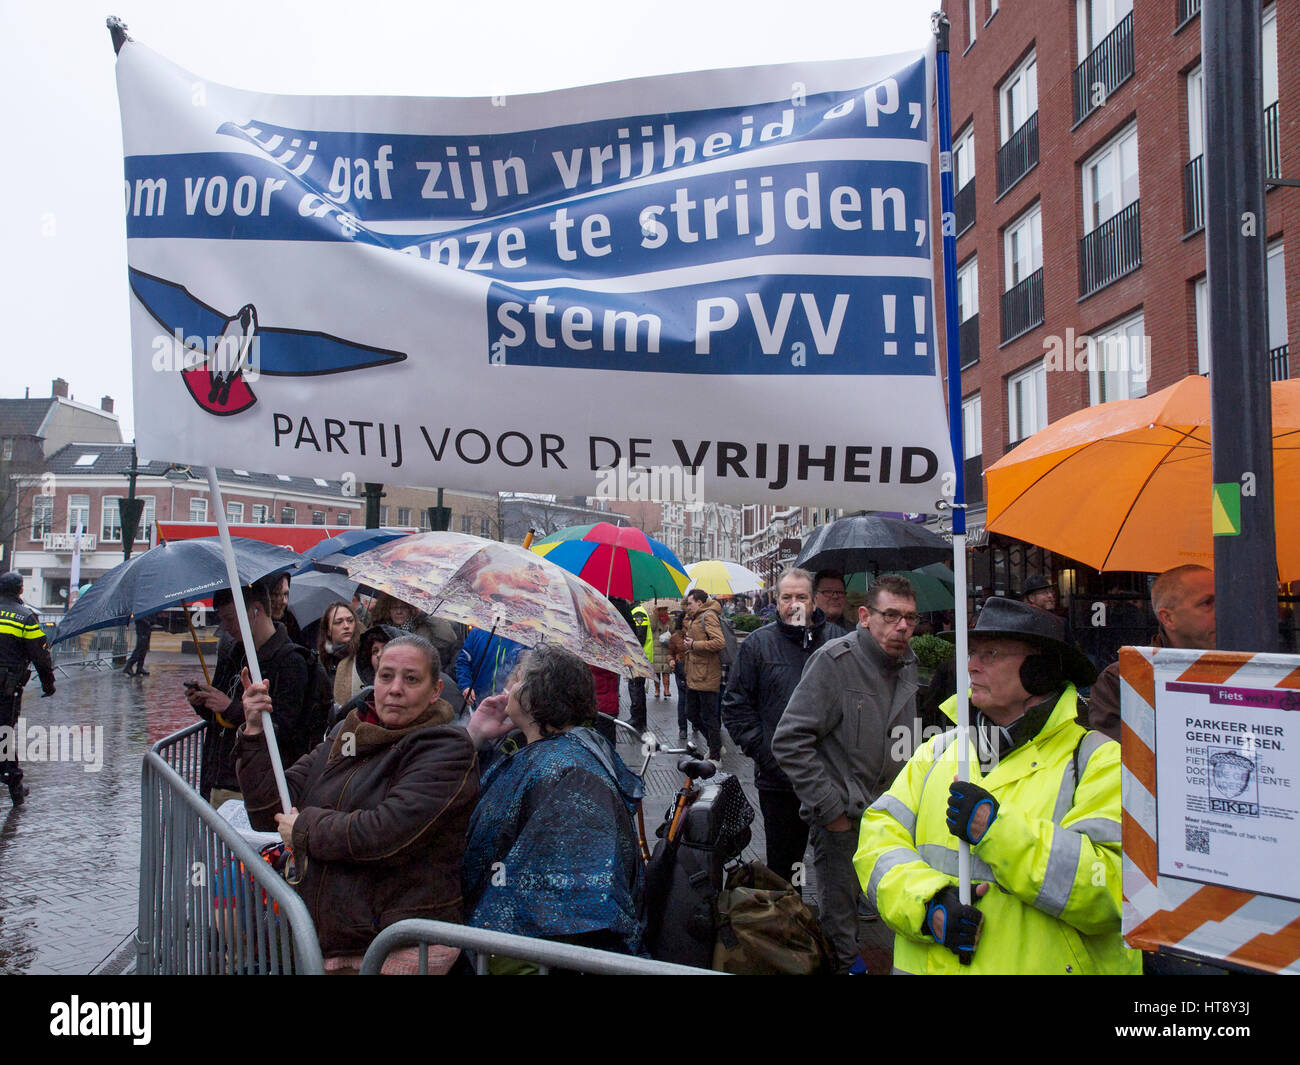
(69, 857)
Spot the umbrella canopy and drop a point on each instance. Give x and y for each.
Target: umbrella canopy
(618, 561)
(723, 579)
(525, 597)
(311, 592)
(1127, 485)
(167, 575)
(862, 542)
(333, 551)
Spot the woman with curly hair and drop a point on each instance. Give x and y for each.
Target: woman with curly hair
(556, 808)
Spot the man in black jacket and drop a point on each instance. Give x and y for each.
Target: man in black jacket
(22, 644)
(220, 703)
(767, 670)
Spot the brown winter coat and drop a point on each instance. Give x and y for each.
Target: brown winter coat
(382, 820)
(703, 661)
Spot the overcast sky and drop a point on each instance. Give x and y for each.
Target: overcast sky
(64, 297)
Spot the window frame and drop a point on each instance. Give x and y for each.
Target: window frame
(968, 277)
(106, 528)
(972, 426)
(234, 513)
(288, 514)
(42, 509)
(1006, 97)
(1036, 370)
(75, 507)
(199, 504)
(1083, 24)
(1032, 220)
(1098, 374)
(963, 149)
(1112, 154)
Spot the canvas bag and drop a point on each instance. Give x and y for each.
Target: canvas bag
(765, 928)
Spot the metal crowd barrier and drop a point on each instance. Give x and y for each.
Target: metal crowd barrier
(209, 903)
(540, 952)
(89, 650)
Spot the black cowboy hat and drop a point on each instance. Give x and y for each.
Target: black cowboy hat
(1036, 582)
(1011, 620)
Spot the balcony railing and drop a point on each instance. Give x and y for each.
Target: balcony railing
(968, 341)
(1279, 363)
(68, 541)
(1194, 195)
(1019, 155)
(964, 206)
(1110, 251)
(1186, 9)
(1022, 306)
(1272, 147)
(973, 482)
(1105, 69)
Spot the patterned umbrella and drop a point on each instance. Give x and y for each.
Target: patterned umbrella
(618, 561)
(493, 585)
(724, 579)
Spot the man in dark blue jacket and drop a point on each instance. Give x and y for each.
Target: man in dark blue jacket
(767, 670)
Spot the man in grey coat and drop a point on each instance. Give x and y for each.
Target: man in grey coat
(834, 744)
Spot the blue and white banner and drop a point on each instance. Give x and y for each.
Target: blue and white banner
(727, 271)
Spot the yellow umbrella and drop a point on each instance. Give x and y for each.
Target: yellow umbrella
(1127, 485)
(723, 579)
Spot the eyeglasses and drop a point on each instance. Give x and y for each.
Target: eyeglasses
(989, 655)
(893, 617)
(830, 594)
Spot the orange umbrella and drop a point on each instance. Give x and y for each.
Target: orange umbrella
(1127, 485)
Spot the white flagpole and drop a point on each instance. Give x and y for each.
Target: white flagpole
(250, 649)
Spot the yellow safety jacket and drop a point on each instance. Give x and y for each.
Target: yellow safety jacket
(642, 617)
(1052, 854)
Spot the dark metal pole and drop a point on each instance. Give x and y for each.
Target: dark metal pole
(129, 509)
(374, 493)
(1241, 417)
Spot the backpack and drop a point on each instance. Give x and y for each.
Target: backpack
(765, 928)
(727, 656)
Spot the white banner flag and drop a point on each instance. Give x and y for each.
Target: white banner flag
(723, 274)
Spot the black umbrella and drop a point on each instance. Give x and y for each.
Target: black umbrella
(862, 542)
(167, 575)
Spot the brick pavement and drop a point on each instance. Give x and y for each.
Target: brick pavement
(69, 858)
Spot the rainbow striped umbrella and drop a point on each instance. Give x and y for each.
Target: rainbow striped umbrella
(618, 561)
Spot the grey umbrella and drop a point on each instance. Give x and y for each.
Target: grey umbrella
(311, 592)
(870, 542)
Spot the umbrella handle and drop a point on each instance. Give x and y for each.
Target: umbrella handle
(195, 637)
(473, 680)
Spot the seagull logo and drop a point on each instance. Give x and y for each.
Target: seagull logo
(231, 350)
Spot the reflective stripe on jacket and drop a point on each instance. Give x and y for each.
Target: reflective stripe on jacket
(642, 620)
(1052, 854)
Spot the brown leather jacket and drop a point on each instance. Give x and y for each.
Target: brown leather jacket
(382, 820)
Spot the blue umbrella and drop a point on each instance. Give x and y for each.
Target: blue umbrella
(331, 552)
(166, 576)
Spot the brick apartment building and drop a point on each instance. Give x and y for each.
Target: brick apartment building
(1077, 135)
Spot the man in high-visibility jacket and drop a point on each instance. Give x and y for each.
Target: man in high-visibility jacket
(1041, 812)
(637, 705)
(22, 644)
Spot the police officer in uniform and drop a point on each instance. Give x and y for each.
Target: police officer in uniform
(22, 645)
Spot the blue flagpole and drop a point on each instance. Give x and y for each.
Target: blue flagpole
(948, 229)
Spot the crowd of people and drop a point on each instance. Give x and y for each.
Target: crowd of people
(497, 797)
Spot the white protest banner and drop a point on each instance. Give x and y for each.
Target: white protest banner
(1211, 797)
(727, 272)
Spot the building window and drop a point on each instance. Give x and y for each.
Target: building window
(963, 159)
(464, 523)
(1268, 56)
(1097, 20)
(1027, 402)
(1277, 324)
(1110, 180)
(403, 516)
(235, 513)
(483, 526)
(1202, 298)
(42, 517)
(971, 21)
(972, 427)
(383, 513)
(78, 512)
(144, 531)
(344, 519)
(261, 513)
(288, 516)
(110, 525)
(8, 453)
(424, 519)
(318, 517)
(1018, 97)
(968, 299)
(1023, 243)
(1196, 113)
(1118, 362)
(198, 509)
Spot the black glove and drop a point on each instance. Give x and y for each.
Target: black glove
(46, 692)
(960, 925)
(970, 805)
